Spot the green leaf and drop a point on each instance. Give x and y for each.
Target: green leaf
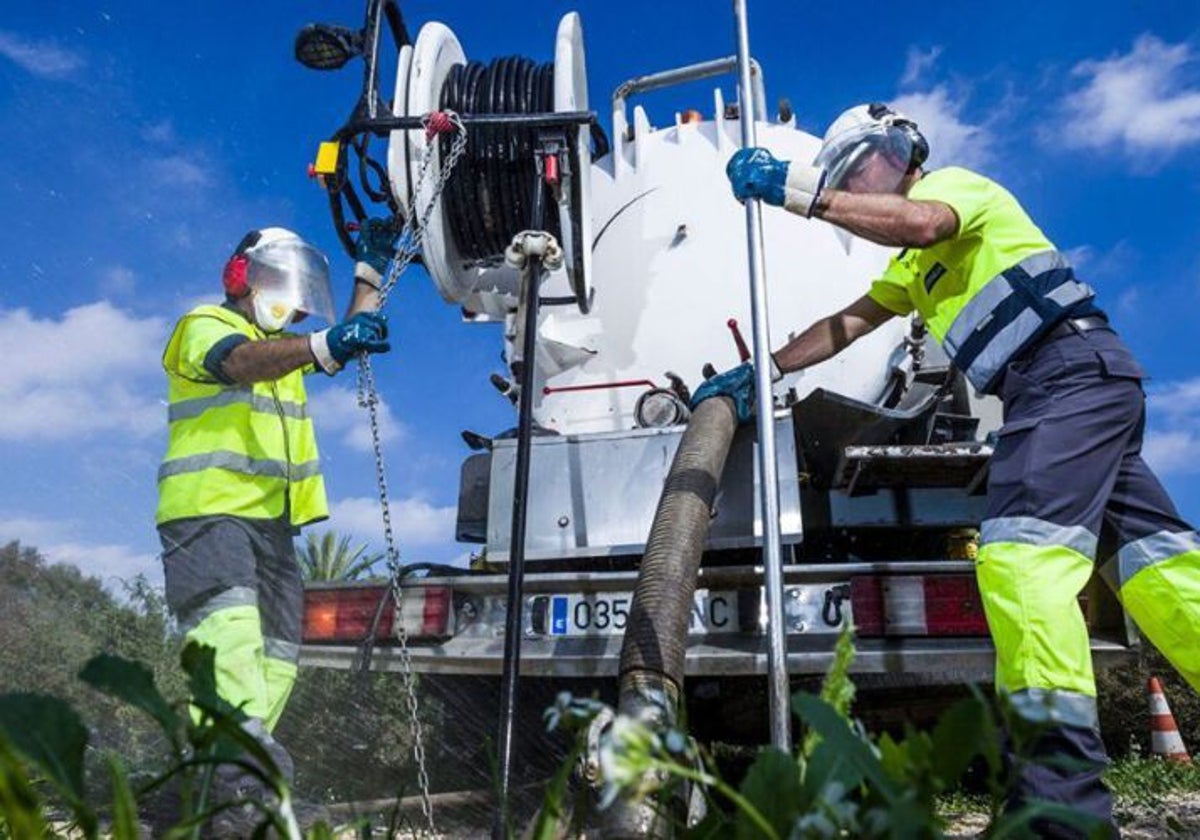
(832, 727)
(894, 757)
(837, 689)
(827, 768)
(199, 663)
(132, 682)
(49, 733)
(551, 818)
(1017, 824)
(20, 807)
(124, 817)
(773, 787)
(961, 733)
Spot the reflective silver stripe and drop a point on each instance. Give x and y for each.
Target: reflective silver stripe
(308, 469)
(279, 649)
(236, 596)
(976, 313)
(225, 460)
(1032, 531)
(1035, 264)
(1055, 705)
(979, 310)
(1146, 552)
(187, 409)
(1070, 293)
(1000, 349)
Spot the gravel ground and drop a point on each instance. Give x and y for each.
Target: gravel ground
(1177, 816)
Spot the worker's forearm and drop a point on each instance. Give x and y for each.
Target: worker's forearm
(258, 361)
(882, 218)
(824, 339)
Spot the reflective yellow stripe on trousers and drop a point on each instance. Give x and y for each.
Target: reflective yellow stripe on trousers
(1157, 579)
(1030, 574)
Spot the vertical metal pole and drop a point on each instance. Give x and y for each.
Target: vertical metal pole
(777, 676)
(516, 551)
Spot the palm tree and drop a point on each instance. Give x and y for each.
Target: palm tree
(330, 557)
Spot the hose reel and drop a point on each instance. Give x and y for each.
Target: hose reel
(486, 200)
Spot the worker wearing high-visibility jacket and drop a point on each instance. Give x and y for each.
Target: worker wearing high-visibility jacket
(1012, 315)
(241, 474)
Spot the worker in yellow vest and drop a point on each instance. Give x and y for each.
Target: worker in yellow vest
(1013, 317)
(241, 474)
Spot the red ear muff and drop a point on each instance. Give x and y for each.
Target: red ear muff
(234, 276)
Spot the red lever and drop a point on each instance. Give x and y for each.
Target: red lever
(551, 169)
(743, 350)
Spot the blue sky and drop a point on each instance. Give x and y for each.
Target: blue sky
(141, 140)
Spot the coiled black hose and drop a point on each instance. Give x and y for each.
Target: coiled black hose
(489, 193)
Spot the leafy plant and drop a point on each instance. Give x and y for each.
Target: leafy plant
(43, 742)
(842, 783)
(330, 558)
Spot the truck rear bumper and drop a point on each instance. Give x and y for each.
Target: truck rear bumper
(938, 661)
(900, 636)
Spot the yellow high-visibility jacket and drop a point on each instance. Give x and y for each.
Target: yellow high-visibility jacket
(238, 450)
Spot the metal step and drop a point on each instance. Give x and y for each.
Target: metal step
(863, 468)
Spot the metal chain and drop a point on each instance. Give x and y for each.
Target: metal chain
(407, 247)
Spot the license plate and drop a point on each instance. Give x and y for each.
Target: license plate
(607, 613)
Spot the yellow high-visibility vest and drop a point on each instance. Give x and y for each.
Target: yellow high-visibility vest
(238, 450)
(989, 291)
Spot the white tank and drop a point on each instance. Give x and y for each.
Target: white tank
(668, 262)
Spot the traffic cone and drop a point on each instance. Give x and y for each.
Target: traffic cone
(1165, 740)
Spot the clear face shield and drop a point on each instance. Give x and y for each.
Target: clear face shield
(866, 159)
(289, 278)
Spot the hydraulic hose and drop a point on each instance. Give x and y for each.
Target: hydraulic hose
(652, 655)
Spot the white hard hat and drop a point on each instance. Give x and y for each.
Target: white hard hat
(858, 132)
(287, 275)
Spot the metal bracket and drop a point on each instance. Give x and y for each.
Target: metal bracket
(534, 243)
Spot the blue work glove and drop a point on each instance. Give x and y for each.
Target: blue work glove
(737, 384)
(756, 173)
(363, 332)
(374, 248)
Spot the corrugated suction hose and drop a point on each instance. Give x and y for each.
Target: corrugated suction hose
(652, 656)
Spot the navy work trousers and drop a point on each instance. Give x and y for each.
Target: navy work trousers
(1067, 479)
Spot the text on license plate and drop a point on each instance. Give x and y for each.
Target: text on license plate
(607, 613)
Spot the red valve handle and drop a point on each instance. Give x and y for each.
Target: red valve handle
(743, 350)
(438, 122)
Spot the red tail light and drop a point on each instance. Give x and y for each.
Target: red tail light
(346, 614)
(917, 605)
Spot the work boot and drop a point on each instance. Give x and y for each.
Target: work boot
(243, 820)
(308, 814)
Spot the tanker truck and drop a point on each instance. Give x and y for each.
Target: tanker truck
(881, 452)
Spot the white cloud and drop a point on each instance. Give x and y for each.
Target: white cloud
(162, 131)
(416, 522)
(41, 58)
(118, 280)
(1081, 256)
(86, 373)
(59, 542)
(113, 564)
(952, 141)
(335, 411)
(1137, 101)
(1173, 436)
(177, 170)
(918, 63)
